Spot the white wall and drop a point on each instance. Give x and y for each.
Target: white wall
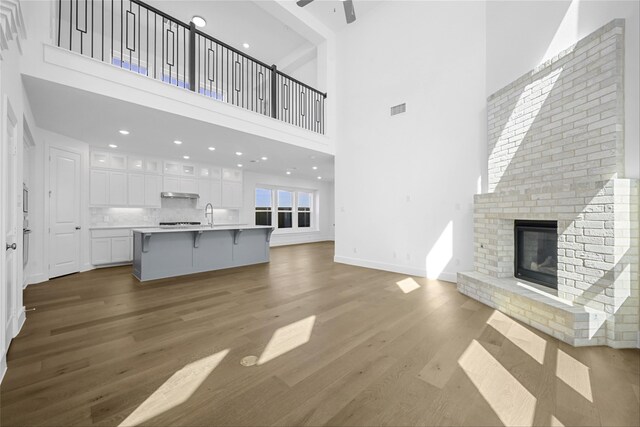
(307, 73)
(523, 34)
(405, 184)
(325, 206)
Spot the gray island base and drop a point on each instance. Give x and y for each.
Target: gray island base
(159, 253)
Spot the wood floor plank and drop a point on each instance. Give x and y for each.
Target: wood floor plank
(348, 347)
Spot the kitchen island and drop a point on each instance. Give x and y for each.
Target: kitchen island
(160, 252)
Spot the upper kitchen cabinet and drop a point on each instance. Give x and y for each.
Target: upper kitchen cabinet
(152, 189)
(188, 170)
(172, 168)
(136, 163)
(108, 188)
(232, 175)
(231, 194)
(153, 166)
(106, 160)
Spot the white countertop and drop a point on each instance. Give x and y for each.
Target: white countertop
(116, 227)
(203, 228)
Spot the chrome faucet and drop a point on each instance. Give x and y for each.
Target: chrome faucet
(208, 210)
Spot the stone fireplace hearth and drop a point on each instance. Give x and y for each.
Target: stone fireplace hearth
(556, 153)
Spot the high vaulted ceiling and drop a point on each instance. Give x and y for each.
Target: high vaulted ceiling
(331, 12)
(236, 22)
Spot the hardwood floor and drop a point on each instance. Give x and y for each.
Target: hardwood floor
(336, 345)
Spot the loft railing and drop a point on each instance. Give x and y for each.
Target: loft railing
(135, 36)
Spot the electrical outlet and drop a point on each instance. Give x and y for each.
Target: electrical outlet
(457, 261)
(355, 250)
(408, 257)
(458, 207)
(408, 198)
(395, 255)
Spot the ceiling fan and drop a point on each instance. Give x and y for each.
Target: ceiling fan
(349, 11)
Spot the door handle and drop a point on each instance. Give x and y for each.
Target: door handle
(12, 246)
(78, 228)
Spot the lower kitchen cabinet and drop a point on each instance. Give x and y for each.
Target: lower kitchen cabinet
(111, 246)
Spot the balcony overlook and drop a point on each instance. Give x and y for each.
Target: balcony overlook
(142, 39)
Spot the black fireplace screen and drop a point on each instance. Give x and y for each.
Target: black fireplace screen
(536, 252)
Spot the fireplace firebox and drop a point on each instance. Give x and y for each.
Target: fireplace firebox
(536, 252)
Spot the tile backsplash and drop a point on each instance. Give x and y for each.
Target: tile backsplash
(171, 210)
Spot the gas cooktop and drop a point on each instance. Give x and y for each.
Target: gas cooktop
(180, 224)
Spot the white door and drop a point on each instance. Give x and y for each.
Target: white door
(64, 212)
(9, 294)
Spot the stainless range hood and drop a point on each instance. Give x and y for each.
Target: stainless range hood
(171, 195)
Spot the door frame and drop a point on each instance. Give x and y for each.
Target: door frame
(10, 330)
(47, 205)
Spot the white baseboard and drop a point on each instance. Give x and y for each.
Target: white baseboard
(22, 317)
(394, 268)
(297, 239)
(36, 278)
(3, 367)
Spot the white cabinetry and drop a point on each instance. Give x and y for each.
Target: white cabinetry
(121, 249)
(204, 190)
(107, 188)
(188, 185)
(175, 184)
(152, 188)
(100, 251)
(144, 190)
(99, 187)
(136, 190)
(117, 189)
(111, 246)
(231, 194)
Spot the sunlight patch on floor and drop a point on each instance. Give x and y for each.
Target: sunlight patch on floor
(288, 338)
(526, 340)
(509, 399)
(176, 390)
(575, 374)
(555, 422)
(408, 285)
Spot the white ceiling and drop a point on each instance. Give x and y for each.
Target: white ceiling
(96, 119)
(236, 22)
(331, 12)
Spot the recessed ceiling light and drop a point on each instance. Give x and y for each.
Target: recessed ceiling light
(238, 153)
(239, 165)
(288, 172)
(246, 45)
(199, 21)
(185, 157)
(319, 177)
(113, 146)
(212, 148)
(102, 160)
(124, 132)
(314, 168)
(264, 158)
(177, 142)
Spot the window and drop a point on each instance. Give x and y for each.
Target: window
(304, 209)
(294, 209)
(263, 206)
(285, 209)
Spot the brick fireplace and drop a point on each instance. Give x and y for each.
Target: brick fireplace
(556, 153)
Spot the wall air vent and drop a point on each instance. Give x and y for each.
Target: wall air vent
(399, 109)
